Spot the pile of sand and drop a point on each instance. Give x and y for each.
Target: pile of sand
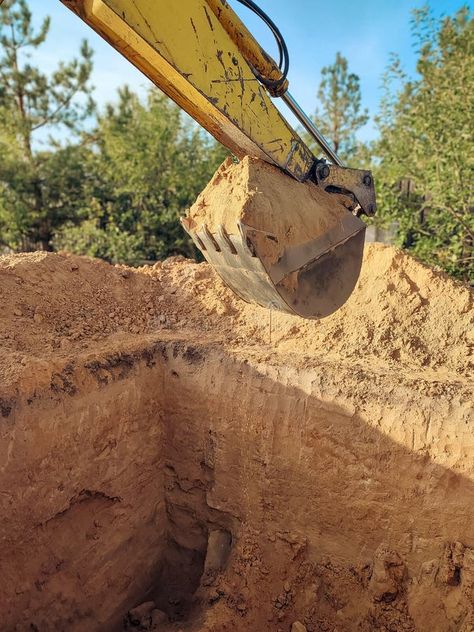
(142, 411)
(401, 313)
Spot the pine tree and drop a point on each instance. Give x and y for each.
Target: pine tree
(31, 101)
(340, 114)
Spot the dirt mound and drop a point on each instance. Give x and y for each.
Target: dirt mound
(401, 312)
(172, 458)
(54, 304)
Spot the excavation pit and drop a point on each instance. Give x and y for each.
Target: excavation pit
(166, 447)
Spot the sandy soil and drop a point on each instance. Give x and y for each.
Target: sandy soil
(165, 445)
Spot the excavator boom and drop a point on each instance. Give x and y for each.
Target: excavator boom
(185, 50)
(203, 57)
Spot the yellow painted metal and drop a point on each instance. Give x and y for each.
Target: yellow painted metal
(245, 41)
(184, 49)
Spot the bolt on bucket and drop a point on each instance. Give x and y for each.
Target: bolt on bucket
(280, 243)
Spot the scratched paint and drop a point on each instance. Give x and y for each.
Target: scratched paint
(190, 56)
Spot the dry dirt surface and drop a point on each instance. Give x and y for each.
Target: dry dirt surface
(172, 458)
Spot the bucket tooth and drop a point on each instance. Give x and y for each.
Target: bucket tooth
(224, 238)
(211, 239)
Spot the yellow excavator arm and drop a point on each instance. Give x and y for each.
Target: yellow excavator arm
(186, 51)
(202, 56)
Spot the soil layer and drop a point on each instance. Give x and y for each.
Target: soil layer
(172, 458)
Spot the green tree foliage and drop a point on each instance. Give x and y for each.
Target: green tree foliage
(148, 164)
(424, 171)
(340, 114)
(108, 242)
(115, 192)
(31, 101)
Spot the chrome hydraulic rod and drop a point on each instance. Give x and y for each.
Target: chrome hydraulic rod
(311, 128)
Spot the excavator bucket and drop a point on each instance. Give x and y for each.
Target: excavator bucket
(282, 244)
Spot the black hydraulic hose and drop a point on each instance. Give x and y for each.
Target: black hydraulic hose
(284, 61)
(275, 85)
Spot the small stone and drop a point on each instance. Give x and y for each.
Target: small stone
(74, 267)
(17, 312)
(387, 575)
(287, 587)
(283, 599)
(38, 318)
(214, 596)
(65, 343)
(125, 273)
(141, 615)
(297, 626)
(218, 550)
(158, 617)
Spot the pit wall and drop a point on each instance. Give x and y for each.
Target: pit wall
(83, 525)
(345, 511)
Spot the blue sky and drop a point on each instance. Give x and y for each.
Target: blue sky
(364, 31)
